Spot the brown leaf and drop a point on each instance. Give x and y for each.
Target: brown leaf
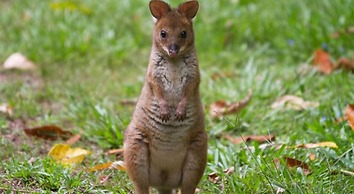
(116, 151)
(247, 138)
(73, 139)
(293, 102)
(50, 132)
(213, 177)
(221, 107)
(349, 112)
(294, 163)
(322, 61)
(346, 63)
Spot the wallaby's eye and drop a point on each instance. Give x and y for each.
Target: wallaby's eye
(183, 34)
(163, 33)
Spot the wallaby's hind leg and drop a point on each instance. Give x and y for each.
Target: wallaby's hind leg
(136, 156)
(195, 164)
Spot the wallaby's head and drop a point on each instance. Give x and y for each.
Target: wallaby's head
(173, 32)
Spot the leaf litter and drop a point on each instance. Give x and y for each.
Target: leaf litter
(6, 109)
(293, 163)
(248, 138)
(293, 102)
(323, 62)
(66, 155)
(221, 107)
(349, 113)
(49, 132)
(18, 61)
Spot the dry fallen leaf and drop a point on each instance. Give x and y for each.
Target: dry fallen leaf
(221, 107)
(294, 163)
(18, 61)
(346, 172)
(280, 190)
(349, 112)
(116, 151)
(229, 171)
(316, 145)
(247, 138)
(101, 167)
(50, 132)
(31, 160)
(322, 60)
(312, 156)
(293, 102)
(6, 109)
(73, 139)
(346, 63)
(119, 165)
(104, 178)
(66, 155)
(213, 177)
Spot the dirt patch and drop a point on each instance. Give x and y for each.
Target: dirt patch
(15, 135)
(31, 79)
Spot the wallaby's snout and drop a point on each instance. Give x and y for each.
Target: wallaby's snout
(173, 50)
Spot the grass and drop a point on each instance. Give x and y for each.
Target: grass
(91, 55)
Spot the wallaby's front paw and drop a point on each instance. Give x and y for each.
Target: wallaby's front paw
(181, 112)
(180, 115)
(165, 116)
(164, 113)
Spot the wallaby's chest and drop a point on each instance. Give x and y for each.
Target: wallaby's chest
(174, 75)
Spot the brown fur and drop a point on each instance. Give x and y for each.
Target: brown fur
(165, 144)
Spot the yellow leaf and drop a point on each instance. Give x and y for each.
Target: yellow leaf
(119, 165)
(316, 145)
(70, 6)
(100, 167)
(66, 155)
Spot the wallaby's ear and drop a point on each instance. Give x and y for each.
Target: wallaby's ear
(159, 8)
(189, 9)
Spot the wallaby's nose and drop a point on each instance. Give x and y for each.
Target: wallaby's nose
(173, 50)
